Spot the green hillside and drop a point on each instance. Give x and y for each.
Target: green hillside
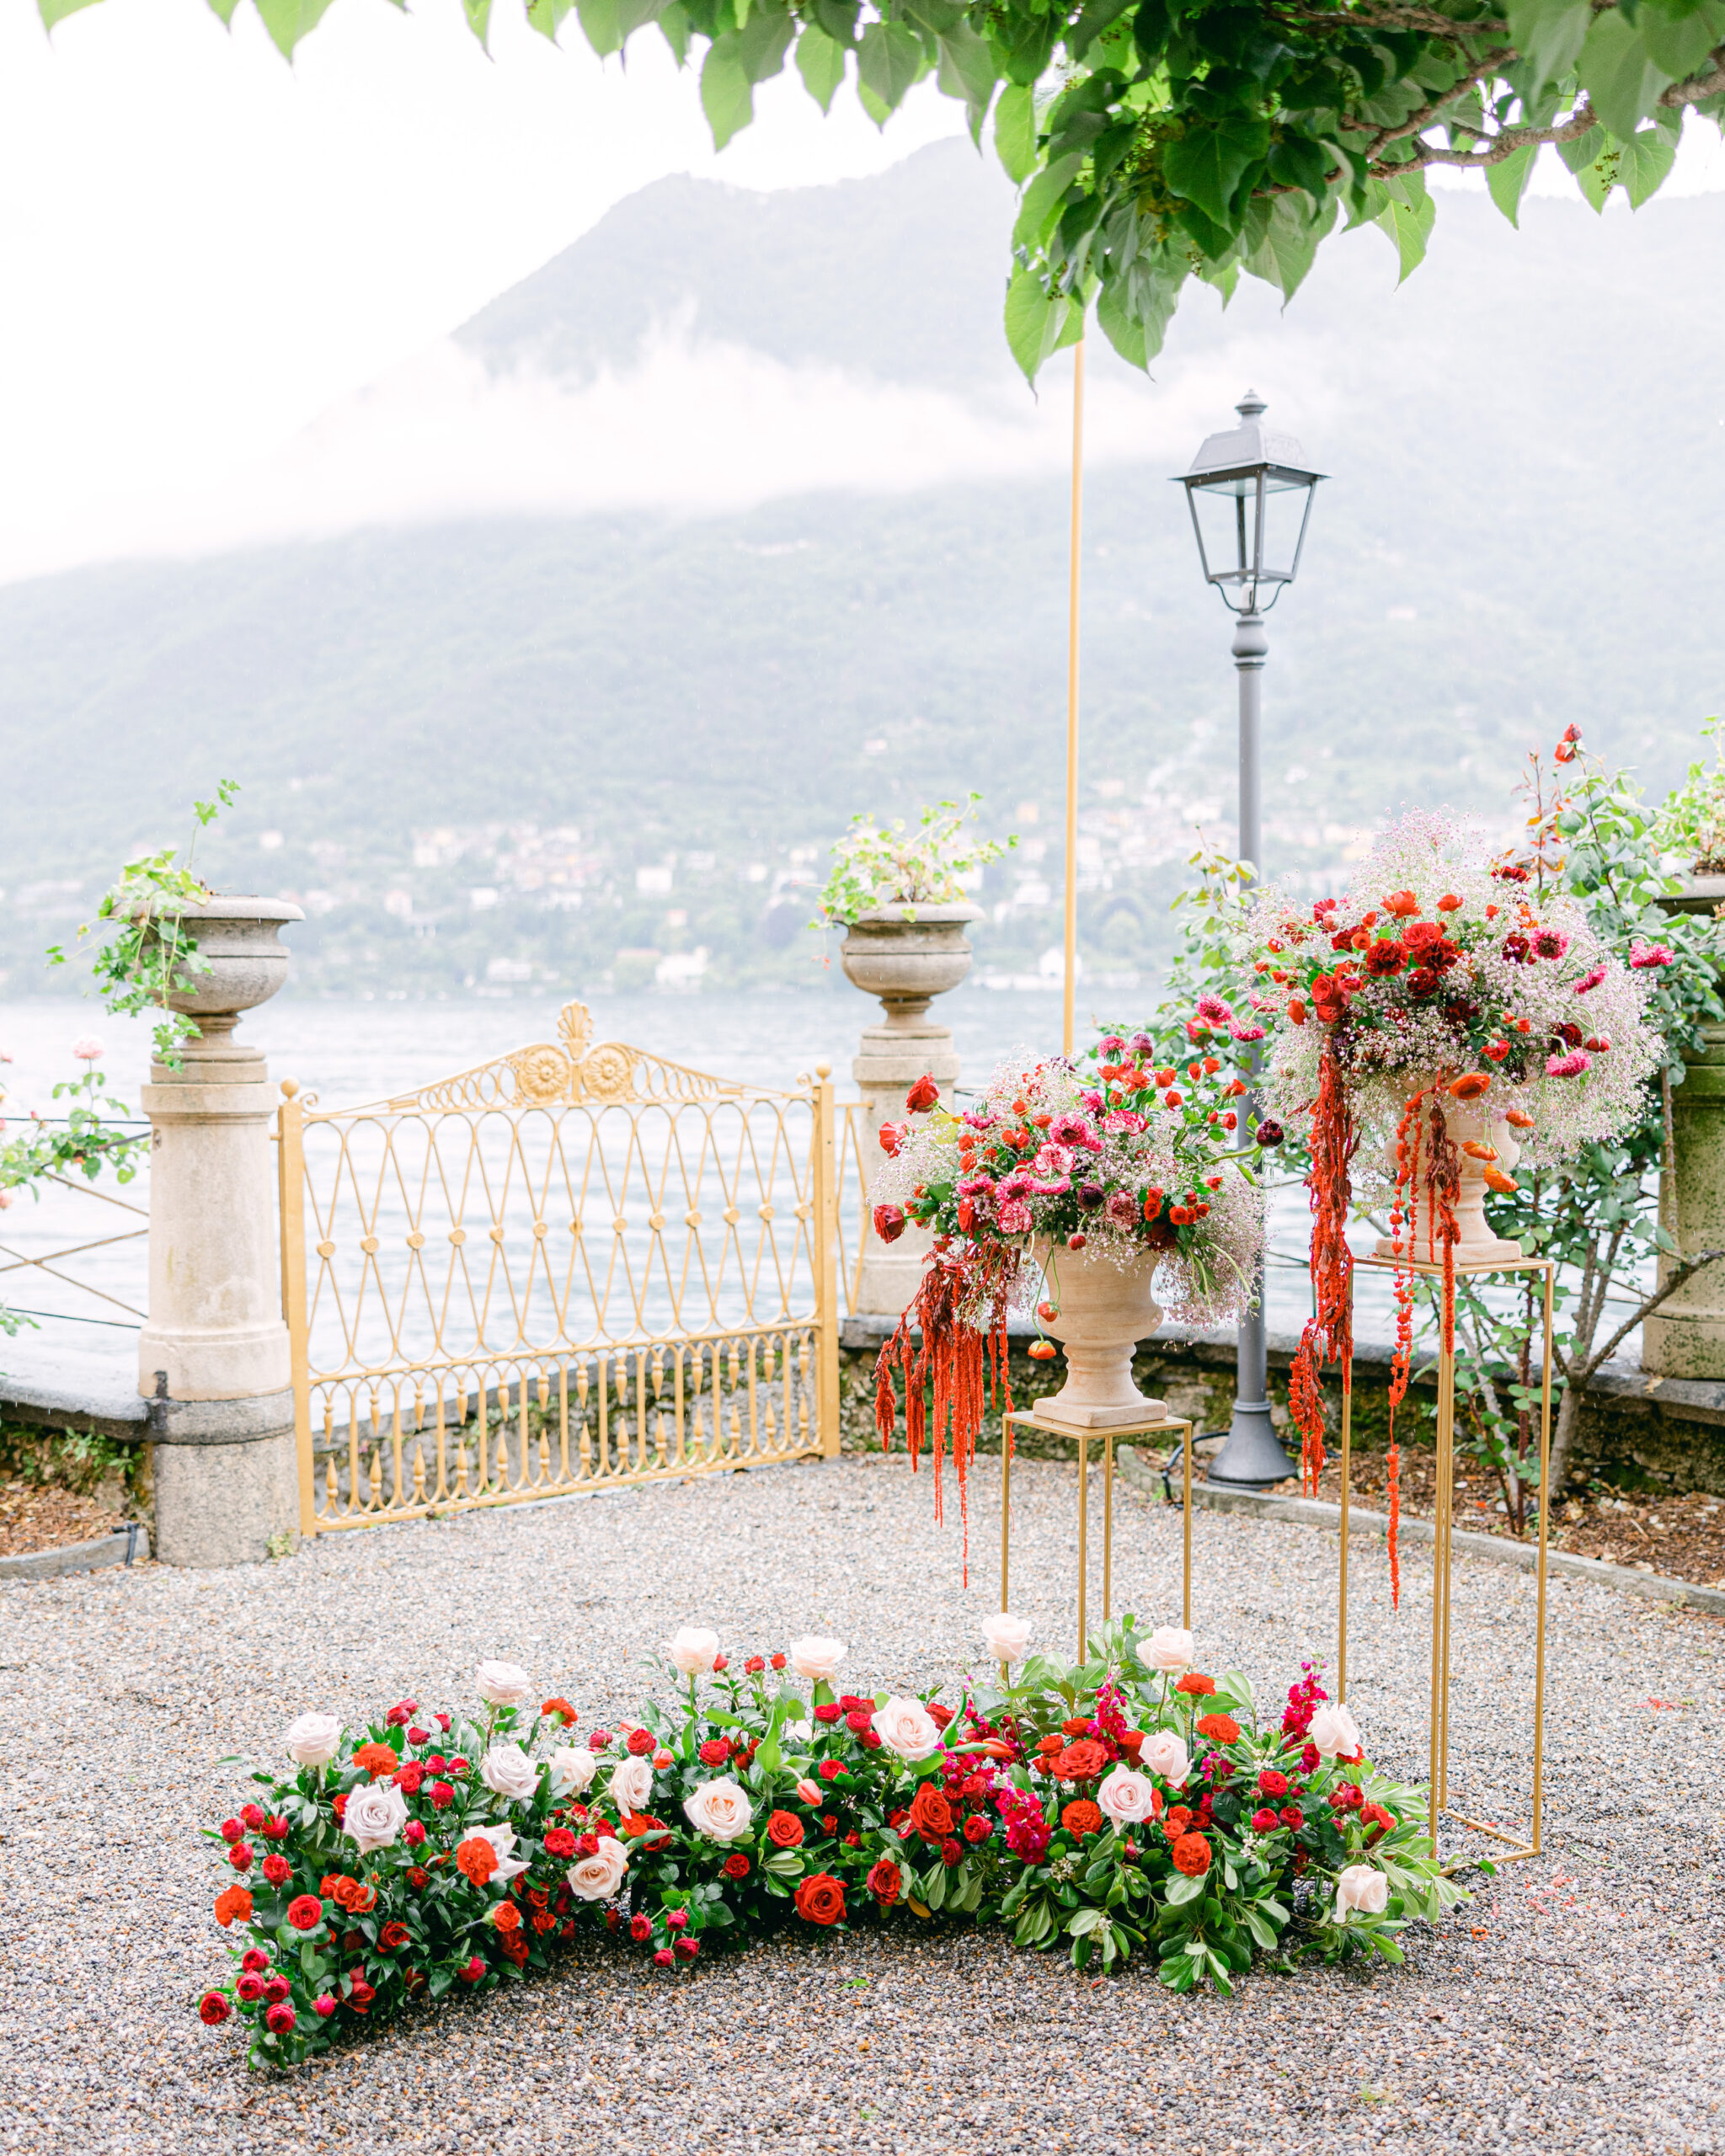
(1527, 478)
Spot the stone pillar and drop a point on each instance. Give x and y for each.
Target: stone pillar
(1686, 1338)
(213, 1357)
(906, 962)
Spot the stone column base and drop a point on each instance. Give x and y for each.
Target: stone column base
(227, 1479)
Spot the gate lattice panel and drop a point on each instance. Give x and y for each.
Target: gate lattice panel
(580, 1265)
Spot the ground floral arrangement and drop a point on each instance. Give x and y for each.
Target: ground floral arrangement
(1133, 1804)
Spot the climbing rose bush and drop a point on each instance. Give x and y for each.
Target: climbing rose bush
(1130, 1805)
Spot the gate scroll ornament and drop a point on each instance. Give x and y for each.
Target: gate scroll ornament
(580, 1265)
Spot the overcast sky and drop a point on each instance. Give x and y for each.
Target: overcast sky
(203, 249)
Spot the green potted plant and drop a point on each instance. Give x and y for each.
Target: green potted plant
(1691, 826)
(899, 895)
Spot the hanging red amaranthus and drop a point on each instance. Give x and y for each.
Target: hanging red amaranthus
(1328, 1336)
(960, 1309)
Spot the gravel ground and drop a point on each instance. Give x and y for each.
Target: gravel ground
(1576, 2001)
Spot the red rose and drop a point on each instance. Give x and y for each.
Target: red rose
(213, 2008)
(413, 1833)
(736, 1865)
(664, 1957)
(470, 1971)
(231, 1831)
(252, 1815)
(417, 1877)
(641, 1926)
(394, 1934)
(888, 1226)
(688, 1948)
(829, 1823)
(277, 1987)
(641, 1742)
(400, 1715)
(784, 1830)
(408, 1778)
(1272, 1783)
(830, 1712)
(338, 1805)
(360, 1993)
(239, 1855)
(559, 1842)
(714, 1752)
(869, 1739)
(778, 1662)
(1080, 1762)
(940, 1715)
(280, 2020)
(977, 1828)
(441, 1796)
(323, 2005)
(457, 1767)
(930, 1814)
(857, 1721)
(250, 1988)
(754, 1666)
(1265, 1822)
(274, 1829)
(305, 1913)
(922, 1095)
(952, 1852)
(1191, 1855)
(1384, 958)
(821, 1899)
(419, 1736)
(254, 1958)
(885, 1882)
(277, 1871)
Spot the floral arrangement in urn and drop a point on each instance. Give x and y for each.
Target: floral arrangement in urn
(1442, 1020)
(1100, 1174)
(1130, 1805)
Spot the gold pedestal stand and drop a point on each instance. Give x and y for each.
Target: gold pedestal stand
(1443, 1531)
(1028, 1419)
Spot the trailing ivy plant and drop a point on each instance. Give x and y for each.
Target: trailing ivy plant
(150, 953)
(1157, 140)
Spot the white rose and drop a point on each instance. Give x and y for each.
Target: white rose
(1364, 1887)
(720, 1811)
(1168, 1648)
(694, 1653)
(501, 1683)
(572, 1769)
(817, 1659)
(1125, 1796)
(312, 1739)
(597, 1877)
(906, 1727)
(507, 1769)
(1335, 1733)
(1006, 1637)
(632, 1783)
(502, 1839)
(374, 1815)
(1164, 1754)
(799, 1733)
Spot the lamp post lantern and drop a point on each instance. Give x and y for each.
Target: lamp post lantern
(1251, 500)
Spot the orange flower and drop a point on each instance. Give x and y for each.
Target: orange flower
(1470, 1085)
(1195, 1686)
(1080, 1817)
(1078, 1727)
(1079, 1762)
(506, 1916)
(475, 1859)
(354, 1896)
(563, 1711)
(377, 1759)
(232, 1901)
(1192, 1855)
(1220, 1729)
(642, 1825)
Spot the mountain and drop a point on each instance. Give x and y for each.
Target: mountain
(574, 745)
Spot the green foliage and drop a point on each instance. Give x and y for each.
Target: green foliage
(884, 865)
(79, 1143)
(1691, 822)
(78, 1460)
(150, 953)
(1166, 139)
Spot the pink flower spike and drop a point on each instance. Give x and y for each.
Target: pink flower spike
(88, 1049)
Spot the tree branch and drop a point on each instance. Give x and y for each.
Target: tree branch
(1709, 85)
(1685, 1272)
(1504, 143)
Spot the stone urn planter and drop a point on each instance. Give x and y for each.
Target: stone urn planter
(1686, 1337)
(238, 940)
(1103, 1310)
(1477, 1123)
(906, 956)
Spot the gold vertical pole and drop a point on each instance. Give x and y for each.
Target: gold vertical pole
(1108, 1527)
(1539, 1647)
(1083, 1533)
(826, 1281)
(1342, 1591)
(1186, 1532)
(1071, 944)
(291, 1166)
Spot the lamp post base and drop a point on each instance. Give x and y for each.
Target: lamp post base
(1253, 1458)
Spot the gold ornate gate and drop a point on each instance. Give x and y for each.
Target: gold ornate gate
(580, 1265)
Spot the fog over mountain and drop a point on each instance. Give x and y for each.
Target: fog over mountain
(734, 518)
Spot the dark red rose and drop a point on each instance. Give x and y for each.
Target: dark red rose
(676, 1919)
(831, 1712)
(277, 1870)
(254, 1958)
(277, 1987)
(951, 1851)
(360, 1993)
(239, 1855)
(1385, 959)
(213, 2008)
(642, 1741)
(888, 1226)
(736, 1865)
(922, 1095)
(940, 1715)
(1265, 1822)
(305, 1913)
(1424, 980)
(688, 1948)
(394, 1934)
(977, 1828)
(1293, 1817)
(930, 1814)
(250, 1988)
(641, 1926)
(252, 1816)
(559, 1842)
(885, 1882)
(280, 2020)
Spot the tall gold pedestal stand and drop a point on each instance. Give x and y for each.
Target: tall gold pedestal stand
(1028, 1419)
(1443, 1531)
